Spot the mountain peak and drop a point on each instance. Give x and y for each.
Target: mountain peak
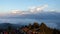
(43, 25)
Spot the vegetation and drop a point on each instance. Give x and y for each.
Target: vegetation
(30, 29)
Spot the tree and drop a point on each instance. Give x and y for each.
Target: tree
(36, 25)
(30, 26)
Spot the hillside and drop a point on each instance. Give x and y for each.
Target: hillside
(40, 29)
(34, 28)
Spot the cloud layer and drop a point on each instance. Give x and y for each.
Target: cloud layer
(30, 10)
(39, 8)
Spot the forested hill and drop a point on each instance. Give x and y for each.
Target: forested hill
(34, 28)
(40, 29)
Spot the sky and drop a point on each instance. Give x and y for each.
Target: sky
(7, 6)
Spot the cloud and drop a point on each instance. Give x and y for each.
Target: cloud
(38, 8)
(41, 8)
(16, 11)
(20, 12)
(33, 9)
